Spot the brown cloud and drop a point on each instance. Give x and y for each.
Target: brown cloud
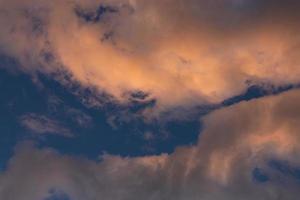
(235, 140)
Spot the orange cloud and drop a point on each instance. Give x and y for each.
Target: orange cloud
(181, 53)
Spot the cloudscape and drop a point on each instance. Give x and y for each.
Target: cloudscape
(149, 99)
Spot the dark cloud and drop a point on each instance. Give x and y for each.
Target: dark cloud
(96, 15)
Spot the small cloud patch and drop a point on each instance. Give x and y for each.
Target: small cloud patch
(40, 124)
(80, 118)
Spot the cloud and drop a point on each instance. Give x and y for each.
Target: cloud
(235, 142)
(79, 117)
(180, 52)
(40, 124)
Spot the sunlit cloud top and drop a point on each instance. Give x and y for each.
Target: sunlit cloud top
(200, 51)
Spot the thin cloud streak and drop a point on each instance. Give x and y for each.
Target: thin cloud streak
(40, 124)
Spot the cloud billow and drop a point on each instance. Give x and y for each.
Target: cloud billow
(176, 54)
(201, 52)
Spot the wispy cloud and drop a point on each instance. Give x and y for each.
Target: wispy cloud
(40, 124)
(79, 117)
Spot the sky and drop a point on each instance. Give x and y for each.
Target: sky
(149, 99)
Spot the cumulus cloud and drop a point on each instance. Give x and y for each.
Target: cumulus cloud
(40, 124)
(235, 141)
(180, 52)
